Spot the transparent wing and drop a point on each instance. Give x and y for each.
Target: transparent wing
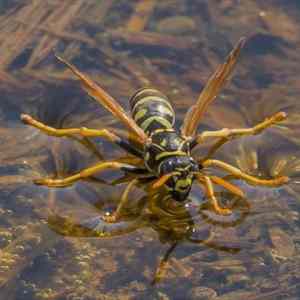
(96, 92)
(210, 91)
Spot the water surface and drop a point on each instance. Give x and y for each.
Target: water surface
(173, 46)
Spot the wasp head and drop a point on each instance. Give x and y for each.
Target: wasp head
(183, 168)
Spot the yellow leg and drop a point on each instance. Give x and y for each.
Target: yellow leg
(211, 196)
(83, 131)
(226, 134)
(232, 133)
(163, 179)
(239, 174)
(115, 216)
(228, 186)
(84, 174)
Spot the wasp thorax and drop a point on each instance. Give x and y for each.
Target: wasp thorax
(181, 182)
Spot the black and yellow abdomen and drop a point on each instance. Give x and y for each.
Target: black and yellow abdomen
(151, 110)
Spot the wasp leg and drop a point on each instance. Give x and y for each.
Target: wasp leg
(228, 186)
(241, 175)
(83, 131)
(228, 134)
(86, 173)
(211, 196)
(115, 216)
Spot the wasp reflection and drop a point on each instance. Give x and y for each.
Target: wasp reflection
(175, 223)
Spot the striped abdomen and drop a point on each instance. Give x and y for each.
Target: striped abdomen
(151, 110)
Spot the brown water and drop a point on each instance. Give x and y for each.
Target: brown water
(47, 250)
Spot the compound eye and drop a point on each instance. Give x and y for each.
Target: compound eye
(169, 167)
(170, 163)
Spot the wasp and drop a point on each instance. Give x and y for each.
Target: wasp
(165, 153)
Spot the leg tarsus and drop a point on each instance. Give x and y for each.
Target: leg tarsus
(241, 175)
(226, 134)
(56, 182)
(116, 215)
(211, 196)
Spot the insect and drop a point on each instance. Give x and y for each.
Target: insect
(165, 153)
